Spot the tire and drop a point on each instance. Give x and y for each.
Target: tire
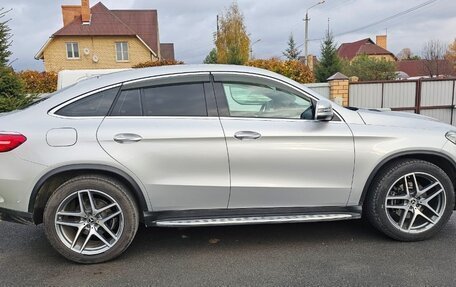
(391, 207)
(97, 232)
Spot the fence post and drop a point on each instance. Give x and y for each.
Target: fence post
(418, 97)
(338, 89)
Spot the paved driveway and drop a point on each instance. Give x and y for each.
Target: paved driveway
(347, 253)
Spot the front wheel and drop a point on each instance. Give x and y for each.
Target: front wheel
(410, 200)
(91, 219)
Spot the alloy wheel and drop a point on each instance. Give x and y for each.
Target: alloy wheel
(89, 222)
(415, 202)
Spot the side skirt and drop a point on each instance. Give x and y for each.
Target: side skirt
(245, 216)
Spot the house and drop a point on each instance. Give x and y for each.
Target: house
(426, 68)
(377, 50)
(99, 38)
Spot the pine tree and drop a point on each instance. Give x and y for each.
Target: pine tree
(329, 62)
(211, 58)
(292, 52)
(5, 38)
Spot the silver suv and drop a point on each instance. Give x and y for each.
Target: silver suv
(210, 145)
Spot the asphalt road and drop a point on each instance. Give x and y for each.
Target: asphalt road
(349, 253)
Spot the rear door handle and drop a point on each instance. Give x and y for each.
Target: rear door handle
(127, 138)
(247, 135)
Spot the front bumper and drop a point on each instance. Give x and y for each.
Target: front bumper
(15, 216)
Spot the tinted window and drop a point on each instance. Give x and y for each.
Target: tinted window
(128, 104)
(249, 100)
(175, 100)
(94, 105)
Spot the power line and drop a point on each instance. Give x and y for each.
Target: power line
(402, 13)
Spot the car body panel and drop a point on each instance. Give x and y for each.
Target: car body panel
(197, 156)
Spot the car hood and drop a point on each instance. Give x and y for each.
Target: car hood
(400, 119)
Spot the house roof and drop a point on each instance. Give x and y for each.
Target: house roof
(104, 22)
(364, 46)
(423, 68)
(167, 51)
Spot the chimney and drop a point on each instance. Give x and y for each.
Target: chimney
(381, 41)
(85, 11)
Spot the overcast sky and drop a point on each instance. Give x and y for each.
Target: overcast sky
(190, 24)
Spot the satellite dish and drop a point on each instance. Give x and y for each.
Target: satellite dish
(95, 59)
(86, 51)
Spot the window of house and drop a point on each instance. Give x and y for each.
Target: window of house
(95, 105)
(122, 51)
(72, 50)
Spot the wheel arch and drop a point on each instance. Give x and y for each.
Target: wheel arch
(47, 184)
(447, 164)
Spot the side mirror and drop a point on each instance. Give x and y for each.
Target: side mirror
(323, 111)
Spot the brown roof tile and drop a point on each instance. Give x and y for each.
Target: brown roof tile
(364, 46)
(105, 22)
(423, 68)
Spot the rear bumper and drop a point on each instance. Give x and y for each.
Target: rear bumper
(15, 216)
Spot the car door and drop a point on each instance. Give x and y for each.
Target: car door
(279, 156)
(167, 131)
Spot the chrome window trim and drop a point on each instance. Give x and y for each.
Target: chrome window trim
(277, 119)
(165, 117)
(166, 76)
(280, 81)
(52, 111)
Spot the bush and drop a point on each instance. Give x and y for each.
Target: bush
(11, 91)
(293, 69)
(369, 69)
(38, 82)
(158, 63)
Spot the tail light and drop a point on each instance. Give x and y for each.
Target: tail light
(10, 141)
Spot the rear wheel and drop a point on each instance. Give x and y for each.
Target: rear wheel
(91, 219)
(410, 200)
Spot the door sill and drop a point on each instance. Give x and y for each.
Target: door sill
(246, 216)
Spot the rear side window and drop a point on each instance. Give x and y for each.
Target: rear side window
(95, 105)
(170, 100)
(175, 100)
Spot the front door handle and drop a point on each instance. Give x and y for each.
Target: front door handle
(247, 135)
(127, 138)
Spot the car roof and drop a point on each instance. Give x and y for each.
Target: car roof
(106, 80)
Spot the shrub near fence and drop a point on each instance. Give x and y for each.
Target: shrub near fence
(38, 82)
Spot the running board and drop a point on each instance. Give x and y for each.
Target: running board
(256, 220)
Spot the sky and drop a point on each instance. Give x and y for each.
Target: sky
(191, 24)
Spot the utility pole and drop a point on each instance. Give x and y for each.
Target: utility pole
(306, 33)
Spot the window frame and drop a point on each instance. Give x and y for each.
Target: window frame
(258, 80)
(122, 51)
(72, 50)
(172, 80)
(52, 112)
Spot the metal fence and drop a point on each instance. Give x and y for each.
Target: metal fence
(434, 98)
(320, 88)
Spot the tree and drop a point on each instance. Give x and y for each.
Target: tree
(433, 52)
(293, 69)
(232, 41)
(329, 62)
(211, 58)
(12, 94)
(292, 52)
(450, 54)
(369, 69)
(5, 38)
(407, 54)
